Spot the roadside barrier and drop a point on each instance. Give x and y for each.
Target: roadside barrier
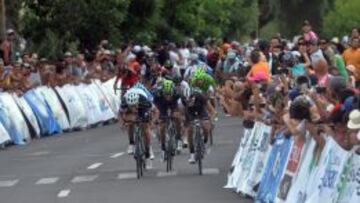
(293, 169)
(46, 111)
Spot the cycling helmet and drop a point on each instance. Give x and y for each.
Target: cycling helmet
(132, 98)
(199, 74)
(168, 86)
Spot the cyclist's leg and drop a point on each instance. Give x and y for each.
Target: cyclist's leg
(144, 115)
(205, 123)
(130, 130)
(162, 116)
(189, 118)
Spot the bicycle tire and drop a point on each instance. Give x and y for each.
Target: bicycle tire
(211, 137)
(198, 149)
(139, 153)
(170, 148)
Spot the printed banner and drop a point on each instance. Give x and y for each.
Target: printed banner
(235, 169)
(75, 108)
(274, 169)
(49, 96)
(292, 167)
(4, 135)
(47, 122)
(349, 186)
(29, 114)
(7, 121)
(261, 144)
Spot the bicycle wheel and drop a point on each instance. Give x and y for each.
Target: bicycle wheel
(198, 152)
(139, 152)
(170, 147)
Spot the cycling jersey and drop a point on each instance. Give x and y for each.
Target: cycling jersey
(165, 104)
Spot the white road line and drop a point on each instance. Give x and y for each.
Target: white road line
(80, 179)
(8, 183)
(126, 176)
(63, 193)
(162, 174)
(211, 171)
(94, 166)
(114, 156)
(47, 181)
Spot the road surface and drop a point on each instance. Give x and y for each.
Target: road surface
(91, 166)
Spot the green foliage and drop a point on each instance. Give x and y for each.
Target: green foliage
(57, 24)
(343, 18)
(54, 26)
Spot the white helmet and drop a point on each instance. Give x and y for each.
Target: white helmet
(132, 98)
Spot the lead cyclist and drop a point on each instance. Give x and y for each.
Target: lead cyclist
(199, 104)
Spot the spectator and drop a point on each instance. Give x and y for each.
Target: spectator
(258, 67)
(355, 33)
(352, 57)
(106, 62)
(80, 69)
(34, 75)
(315, 52)
(7, 48)
(328, 52)
(68, 63)
(309, 35)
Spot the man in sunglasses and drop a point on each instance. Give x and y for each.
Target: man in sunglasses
(328, 52)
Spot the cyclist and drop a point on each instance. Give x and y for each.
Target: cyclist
(206, 83)
(195, 64)
(136, 104)
(166, 99)
(197, 105)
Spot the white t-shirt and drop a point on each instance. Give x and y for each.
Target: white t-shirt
(185, 54)
(316, 56)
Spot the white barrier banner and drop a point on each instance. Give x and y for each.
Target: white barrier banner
(90, 102)
(76, 110)
(51, 98)
(103, 102)
(349, 185)
(329, 172)
(29, 114)
(298, 189)
(235, 166)
(258, 153)
(292, 168)
(15, 116)
(4, 135)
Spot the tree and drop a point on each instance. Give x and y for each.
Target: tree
(63, 23)
(343, 18)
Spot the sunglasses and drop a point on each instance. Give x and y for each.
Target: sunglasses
(301, 43)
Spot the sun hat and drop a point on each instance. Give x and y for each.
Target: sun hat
(354, 120)
(68, 54)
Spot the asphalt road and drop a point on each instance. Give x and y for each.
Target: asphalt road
(91, 167)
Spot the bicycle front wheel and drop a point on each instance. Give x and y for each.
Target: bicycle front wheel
(198, 152)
